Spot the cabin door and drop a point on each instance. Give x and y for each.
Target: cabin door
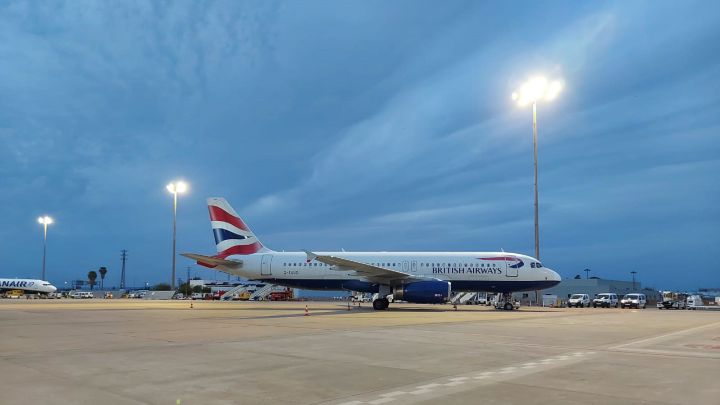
(265, 265)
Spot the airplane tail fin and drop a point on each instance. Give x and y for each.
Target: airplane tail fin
(232, 236)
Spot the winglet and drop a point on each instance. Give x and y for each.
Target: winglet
(310, 255)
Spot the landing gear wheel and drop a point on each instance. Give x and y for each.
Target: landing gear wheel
(381, 304)
(508, 306)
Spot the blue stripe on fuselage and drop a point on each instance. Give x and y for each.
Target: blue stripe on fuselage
(457, 285)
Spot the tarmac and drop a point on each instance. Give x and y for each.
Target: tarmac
(164, 352)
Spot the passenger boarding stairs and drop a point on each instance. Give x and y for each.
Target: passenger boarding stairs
(228, 296)
(262, 293)
(463, 297)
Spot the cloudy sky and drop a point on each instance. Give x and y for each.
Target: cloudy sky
(366, 125)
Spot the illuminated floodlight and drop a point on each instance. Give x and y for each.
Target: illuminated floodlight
(177, 187)
(45, 220)
(536, 89)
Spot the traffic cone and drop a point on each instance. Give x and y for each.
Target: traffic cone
(455, 307)
(307, 313)
(191, 305)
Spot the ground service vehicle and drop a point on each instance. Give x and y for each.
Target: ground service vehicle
(606, 300)
(633, 301)
(579, 301)
(694, 302)
(672, 300)
(14, 294)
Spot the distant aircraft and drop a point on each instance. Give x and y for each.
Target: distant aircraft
(417, 277)
(27, 285)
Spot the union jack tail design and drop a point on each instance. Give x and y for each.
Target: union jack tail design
(232, 236)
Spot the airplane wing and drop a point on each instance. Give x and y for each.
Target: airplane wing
(375, 274)
(209, 261)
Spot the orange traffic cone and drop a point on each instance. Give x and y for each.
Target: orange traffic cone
(307, 313)
(191, 305)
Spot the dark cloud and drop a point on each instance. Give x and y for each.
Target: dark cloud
(361, 125)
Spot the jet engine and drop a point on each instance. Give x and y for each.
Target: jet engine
(423, 292)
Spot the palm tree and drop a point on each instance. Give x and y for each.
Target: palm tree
(92, 276)
(102, 272)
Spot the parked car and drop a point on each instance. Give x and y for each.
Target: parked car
(197, 296)
(606, 300)
(579, 301)
(633, 301)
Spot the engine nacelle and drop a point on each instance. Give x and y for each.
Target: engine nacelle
(423, 292)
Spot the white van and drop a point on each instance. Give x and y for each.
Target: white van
(579, 301)
(694, 301)
(605, 300)
(633, 301)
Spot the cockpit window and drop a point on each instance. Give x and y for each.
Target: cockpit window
(536, 265)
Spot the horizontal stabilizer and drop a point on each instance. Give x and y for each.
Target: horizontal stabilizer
(209, 261)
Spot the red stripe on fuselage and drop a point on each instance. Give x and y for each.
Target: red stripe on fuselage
(219, 214)
(240, 250)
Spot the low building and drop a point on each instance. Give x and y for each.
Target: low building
(590, 286)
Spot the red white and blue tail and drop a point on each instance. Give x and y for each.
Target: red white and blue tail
(232, 236)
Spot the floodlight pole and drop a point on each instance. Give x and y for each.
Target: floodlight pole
(45, 226)
(172, 280)
(535, 154)
(537, 225)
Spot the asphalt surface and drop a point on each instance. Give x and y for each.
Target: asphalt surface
(162, 352)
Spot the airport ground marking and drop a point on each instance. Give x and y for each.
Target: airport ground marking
(666, 336)
(434, 388)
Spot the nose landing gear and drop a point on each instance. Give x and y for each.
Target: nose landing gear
(505, 302)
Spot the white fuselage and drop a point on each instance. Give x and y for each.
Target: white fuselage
(466, 271)
(27, 285)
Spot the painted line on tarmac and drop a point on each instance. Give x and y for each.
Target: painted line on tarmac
(464, 382)
(666, 336)
(642, 346)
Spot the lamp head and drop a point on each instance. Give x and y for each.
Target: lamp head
(177, 187)
(536, 89)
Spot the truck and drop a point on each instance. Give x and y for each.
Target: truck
(672, 300)
(282, 295)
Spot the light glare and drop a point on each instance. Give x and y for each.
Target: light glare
(536, 89)
(46, 220)
(177, 187)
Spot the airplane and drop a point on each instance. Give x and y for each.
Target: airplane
(27, 285)
(415, 277)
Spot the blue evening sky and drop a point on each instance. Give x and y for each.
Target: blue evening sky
(363, 125)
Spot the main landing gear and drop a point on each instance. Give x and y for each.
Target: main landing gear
(381, 304)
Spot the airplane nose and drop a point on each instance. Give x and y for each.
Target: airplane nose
(553, 275)
(53, 288)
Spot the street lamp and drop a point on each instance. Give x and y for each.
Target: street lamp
(633, 275)
(587, 273)
(175, 188)
(532, 91)
(45, 221)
